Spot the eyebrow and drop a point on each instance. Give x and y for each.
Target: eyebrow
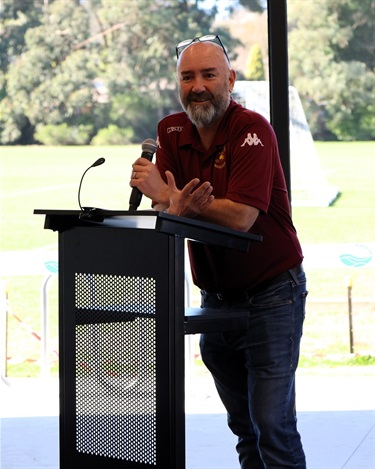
(204, 70)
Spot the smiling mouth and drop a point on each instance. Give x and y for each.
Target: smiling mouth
(199, 99)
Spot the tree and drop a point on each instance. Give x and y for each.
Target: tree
(139, 56)
(50, 82)
(254, 69)
(359, 18)
(17, 16)
(331, 65)
(74, 45)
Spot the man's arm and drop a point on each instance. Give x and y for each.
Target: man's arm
(234, 215)
(193, 201)
(197, 202)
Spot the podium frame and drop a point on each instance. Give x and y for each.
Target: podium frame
(122, 322)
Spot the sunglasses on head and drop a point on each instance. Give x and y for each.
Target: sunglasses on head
(208, 38)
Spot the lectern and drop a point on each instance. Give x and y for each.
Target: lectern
(121, 330)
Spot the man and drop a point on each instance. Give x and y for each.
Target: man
(234, 151)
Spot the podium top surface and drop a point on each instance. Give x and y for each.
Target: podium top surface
(209, 233)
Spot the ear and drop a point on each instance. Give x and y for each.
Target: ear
(232, 79)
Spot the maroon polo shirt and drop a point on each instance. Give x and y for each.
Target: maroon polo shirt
(243, 165)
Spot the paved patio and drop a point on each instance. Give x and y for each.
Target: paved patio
(335, 410)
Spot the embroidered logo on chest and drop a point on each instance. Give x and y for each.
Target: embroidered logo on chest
(220, 160)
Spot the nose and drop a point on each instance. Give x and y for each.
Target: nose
(198, 85)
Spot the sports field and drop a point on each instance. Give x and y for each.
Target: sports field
(339, 242)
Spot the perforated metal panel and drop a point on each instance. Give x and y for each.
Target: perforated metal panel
(115, 341)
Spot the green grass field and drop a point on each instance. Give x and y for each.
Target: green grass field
(48, 178)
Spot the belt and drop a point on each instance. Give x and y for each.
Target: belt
(244, 294)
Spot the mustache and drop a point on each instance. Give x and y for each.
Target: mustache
(197, 96)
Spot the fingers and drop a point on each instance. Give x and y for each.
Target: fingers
(191, 200)
(139, 169)
(171, 181)
(141, 162)
(203, 197)
(140, 166)
(205, 203)
(190, 186)
(200, 194)
(203, 192)
(133, 178)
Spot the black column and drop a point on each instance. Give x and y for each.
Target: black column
(279, 80)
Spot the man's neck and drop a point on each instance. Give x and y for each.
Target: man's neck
(207, 134)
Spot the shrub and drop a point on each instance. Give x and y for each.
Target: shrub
(113, 135)
(63, 134)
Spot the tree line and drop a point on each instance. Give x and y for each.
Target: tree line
(331, 63)
(103, 71)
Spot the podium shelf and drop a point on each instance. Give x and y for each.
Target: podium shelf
(198, 320)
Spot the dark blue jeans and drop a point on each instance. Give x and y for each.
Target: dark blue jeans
(254, 373)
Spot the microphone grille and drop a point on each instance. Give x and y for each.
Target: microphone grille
(149, 145)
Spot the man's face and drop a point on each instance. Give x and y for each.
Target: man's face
(205, 82)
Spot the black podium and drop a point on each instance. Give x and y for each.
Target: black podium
(121, 330)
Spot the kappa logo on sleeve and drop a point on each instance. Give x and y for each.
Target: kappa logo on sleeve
(252, 140)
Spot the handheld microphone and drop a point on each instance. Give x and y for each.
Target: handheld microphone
(85, 211)
(149, 147)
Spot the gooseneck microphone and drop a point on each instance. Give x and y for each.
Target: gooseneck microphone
(149, 147)
(85, 211)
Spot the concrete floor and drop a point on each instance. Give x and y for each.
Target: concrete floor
(335, 413)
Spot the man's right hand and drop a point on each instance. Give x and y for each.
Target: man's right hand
(146, 177)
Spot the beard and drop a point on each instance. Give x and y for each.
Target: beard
(203, 115)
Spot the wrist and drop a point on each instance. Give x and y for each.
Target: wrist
(163, 197)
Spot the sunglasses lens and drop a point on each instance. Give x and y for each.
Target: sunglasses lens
(184, 43)
(209, 37)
